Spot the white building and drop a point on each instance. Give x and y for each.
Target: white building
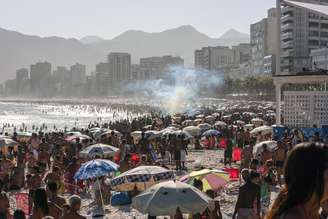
(305, 108)
(302, 30)
(319, 58)
(119, 67)
(214, 58)
(78, 74)
(264, 40)
(157, 67)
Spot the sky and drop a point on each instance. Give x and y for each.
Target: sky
(109, 18)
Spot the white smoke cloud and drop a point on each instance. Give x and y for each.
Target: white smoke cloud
(180, 90)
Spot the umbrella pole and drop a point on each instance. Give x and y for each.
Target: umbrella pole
(101, 196)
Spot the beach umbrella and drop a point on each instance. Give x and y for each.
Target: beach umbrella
(211, 132)
(102, 150)
(240, 122)
(257, 121)
(198, 121)
(24, 134)
(248, 126)
(109, 132)
(188, 122)
(201, 116)
(193, 130)
(7, 142)
(141, 177)
(166, 197)
(150, 134)
(148, 127)
(264, 130)
(74, 137)
(73, 133)
(258, 148)
(209, 118)
(95, 168)
(220, 124)
(213, 179)
(204, 126)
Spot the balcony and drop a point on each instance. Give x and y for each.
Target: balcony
(287, 45)
(287, 9)
(288, 26)
(286, 36)
(288, 53)
(286, 63)
(286, 18)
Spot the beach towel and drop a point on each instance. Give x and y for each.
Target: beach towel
(233, 172)
(236, 154)
(22, 202)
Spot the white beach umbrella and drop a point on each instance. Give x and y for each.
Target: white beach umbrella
(141, 177)
(102, 150)
(166, 197)
(193, 130)
(264, 130)
(258, 148)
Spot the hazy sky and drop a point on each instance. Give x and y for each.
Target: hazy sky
(108, 18)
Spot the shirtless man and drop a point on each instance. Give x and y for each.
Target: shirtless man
(75, 205)
(33, 183)
(249, 196)
(52, 190)
(54, 176)
(279, 158)
(31, 161)
(265, 155)
(44, 157)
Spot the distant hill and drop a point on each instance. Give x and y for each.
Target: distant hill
(181, 41)
(91, 39)
(18, 50)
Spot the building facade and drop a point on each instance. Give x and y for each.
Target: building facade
(119, 66)
(301, 32)
(319, 59)
(78, 74)
(214, 58)
(305, 108)
(242, 53)
(157, 67)
(264, 40)
(22, 79)
(40, 74)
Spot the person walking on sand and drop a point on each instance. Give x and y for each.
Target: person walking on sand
(248, 205)
(75, 206)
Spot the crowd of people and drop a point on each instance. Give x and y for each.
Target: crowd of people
(45, 163)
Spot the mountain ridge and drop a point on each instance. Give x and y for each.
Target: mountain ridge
(19, 50)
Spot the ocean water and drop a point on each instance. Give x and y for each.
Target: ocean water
(57, 115)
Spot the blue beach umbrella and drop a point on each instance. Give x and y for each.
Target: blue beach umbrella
(211, 132)
(95, 168)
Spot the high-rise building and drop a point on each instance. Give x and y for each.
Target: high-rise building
(214, 58)
(103, 78)
(301, 32)
(157, 67)
(40, 74)
(242, 53)
(78, 74)
(21, 81)
(264, 40)
(119, 66)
